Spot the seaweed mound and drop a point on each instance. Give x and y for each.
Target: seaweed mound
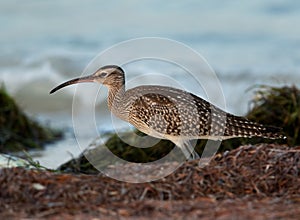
(17, 131)
(97, 153)
(279, 107)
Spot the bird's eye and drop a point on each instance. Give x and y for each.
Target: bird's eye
(103, 74)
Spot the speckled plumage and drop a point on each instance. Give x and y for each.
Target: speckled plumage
(174, 112)
(171, 113)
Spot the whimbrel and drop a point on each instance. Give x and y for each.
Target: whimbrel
(170, 113)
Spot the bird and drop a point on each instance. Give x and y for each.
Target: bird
(171, 113)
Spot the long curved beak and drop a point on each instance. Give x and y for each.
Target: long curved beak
(74, 81)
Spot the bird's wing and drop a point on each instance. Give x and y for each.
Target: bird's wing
(157, 112)
(169, 111)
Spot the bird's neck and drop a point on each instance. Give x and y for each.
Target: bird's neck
(115, 95)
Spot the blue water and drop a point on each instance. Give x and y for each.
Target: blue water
(43, 43)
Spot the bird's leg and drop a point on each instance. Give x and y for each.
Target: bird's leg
(187, 149)
(194, 154)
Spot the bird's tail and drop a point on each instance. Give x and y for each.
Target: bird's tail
(242, 127)
(272, 132)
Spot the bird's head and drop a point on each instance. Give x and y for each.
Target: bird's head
(110, 75)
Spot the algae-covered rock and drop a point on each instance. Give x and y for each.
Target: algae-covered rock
(17, 131)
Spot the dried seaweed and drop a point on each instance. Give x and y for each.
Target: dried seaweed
(264, 173)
